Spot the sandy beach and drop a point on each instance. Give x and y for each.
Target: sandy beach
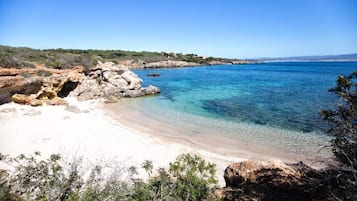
(114, 132)
(84, 129)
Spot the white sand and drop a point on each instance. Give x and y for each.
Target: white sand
(89, 133)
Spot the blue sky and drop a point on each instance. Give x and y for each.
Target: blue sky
(226, 28)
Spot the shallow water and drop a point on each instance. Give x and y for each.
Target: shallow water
(272, 104)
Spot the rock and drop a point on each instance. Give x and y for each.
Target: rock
(21, 99)
(237, 173)
(133, 93)
(10, 85)
(153, 74)
(111, 80)
(88, 89)
(26, 100)
(119, 83)
(103, 80)
(272, 180)
(46, 94)
(132, 64)
(31, 82)
(151, 90)
(132, 79)
(35, 102)
(170, 64)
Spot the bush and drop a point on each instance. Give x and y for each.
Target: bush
(194, 177)
(33, 178)
(343, 127)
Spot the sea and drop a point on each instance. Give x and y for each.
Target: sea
(271, 104)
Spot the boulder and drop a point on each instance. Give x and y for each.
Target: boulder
(21, 99)
(26, 100)
(272, 180)
(150, 90)
(132, 79)
(111, 80)
(237, 173)
(133, 93)
(35, 102)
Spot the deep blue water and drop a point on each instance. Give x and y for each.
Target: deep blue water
(279, 95)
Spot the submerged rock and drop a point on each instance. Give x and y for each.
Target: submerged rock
(153, 74)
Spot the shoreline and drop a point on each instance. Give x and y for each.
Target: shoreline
(82, 129)
(129, 113)
(98, 133)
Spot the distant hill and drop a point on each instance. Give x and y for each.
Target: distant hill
(24, 57)
(340, 57)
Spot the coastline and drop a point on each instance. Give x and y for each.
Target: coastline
(119, 132)
(129, 113)
(83, 129)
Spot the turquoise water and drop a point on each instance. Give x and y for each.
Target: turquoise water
(272, 103)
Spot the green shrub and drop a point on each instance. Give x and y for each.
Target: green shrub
(33, 178)
(194, 177)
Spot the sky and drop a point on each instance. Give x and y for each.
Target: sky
(222, 28)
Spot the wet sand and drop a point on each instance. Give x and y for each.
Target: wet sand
(129, 113)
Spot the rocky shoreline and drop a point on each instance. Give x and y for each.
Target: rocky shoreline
(38, 86)
(132, 64)
(49, 86)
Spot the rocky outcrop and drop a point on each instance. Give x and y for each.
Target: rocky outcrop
(170, 64)
(29, 81)
(272, 180)
(49, 86)
(53, 89)
(111, 80)
(17, 84)
(131, 64)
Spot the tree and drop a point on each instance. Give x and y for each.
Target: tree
(343, 126)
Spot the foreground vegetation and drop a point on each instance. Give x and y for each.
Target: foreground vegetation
(343, 127)
(23, 57)
(33, 178)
